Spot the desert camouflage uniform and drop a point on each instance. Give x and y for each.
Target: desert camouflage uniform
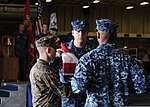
(45, 85)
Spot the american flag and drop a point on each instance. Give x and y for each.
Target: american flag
(39, 20)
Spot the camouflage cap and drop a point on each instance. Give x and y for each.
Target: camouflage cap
(79, 25)
(47, 40)
(106, 25)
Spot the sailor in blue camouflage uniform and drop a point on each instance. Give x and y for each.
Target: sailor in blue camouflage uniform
(106, 74)
(78, 46)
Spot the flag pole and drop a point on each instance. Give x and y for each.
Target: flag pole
(38, 23)
(29, 30)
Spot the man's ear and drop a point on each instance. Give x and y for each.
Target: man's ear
(72, 32)
(48, 49)
(98, 35)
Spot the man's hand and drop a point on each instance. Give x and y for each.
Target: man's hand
(59, 52)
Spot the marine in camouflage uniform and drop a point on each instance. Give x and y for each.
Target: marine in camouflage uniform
(21, 51)
(106, 73)
(81, 27)
(46, 87)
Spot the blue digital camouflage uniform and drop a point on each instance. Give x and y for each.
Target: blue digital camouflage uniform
(107, 75)
(74, 101)
(21, 51)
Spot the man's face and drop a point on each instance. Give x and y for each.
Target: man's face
(21, 28)
(44, 28)
(80, 36)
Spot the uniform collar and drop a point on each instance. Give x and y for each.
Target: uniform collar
(104, 45)
(42, 61)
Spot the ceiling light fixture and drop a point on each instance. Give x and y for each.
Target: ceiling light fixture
(96, 1)
(144, 3)
(48, 0)
(129, 7)
(85, 7)
(36, 3)
(91, 39)
(125, 47)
